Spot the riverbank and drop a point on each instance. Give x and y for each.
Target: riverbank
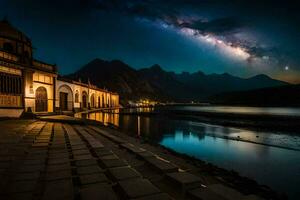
(57, 152)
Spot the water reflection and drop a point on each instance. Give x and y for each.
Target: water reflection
(107, 117)
(292, 111)
(222, 146)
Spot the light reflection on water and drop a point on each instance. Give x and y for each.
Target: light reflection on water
(290, 111)
(106, 118)
(276, 167)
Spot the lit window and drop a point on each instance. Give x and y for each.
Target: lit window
(76, 98)
(41, 78)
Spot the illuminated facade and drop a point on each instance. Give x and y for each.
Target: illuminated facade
(27, 84)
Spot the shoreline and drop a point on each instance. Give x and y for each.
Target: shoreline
(228, 177)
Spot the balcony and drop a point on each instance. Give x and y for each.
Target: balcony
(8, 56)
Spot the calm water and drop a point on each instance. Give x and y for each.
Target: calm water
(276, 167)
(290, 111)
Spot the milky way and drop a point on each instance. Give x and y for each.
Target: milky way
(243, 38)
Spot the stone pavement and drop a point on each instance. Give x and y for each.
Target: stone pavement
(52, 160)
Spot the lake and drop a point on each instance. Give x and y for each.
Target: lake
(262, 156)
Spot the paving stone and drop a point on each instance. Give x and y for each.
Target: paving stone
(225, 191)
(23, 186)
(37, 157)
(58, 167)
(42, 137)
(89, 170)
(81, 163)
(122, 173)
(81, 152)
(145, 154)
(113, 163)
(5, 158)
(108, 135)
(162, 196)
(98, 191)
(59, 155)
(37, 152)
(22, 196)
(131, 148)
(58, 146)
(57, 151)
(92, 178)
(204, 194)
(96, 145)
(55, 161)
(40, 145)
(83, 157)
(77, 147)
(34, 162)
(41, 141)
(184, 180)
(134, 188)
(103, 152)
(161, 165)
(59, 190)
(31, 168)
(57, 175)
(4, 165)
(109, 157)
(27, 176)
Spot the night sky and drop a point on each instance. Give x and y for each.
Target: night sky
(243, 38)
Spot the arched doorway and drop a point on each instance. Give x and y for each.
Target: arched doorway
(84, 100)
(65, 98)
(92, 100)
(102, 101)
(41, 100)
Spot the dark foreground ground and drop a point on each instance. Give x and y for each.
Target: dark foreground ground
(54, 160)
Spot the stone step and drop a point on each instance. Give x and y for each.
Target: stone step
(98, 191)
(161, 165)
(93, 178)
(113, 163)
(162, 196)
(131, 148)
(204, 194)
(93, 169)
(184, 180)
(123, 173)
(60, 190)
(145, 154)
(136, 188)
(108, 135)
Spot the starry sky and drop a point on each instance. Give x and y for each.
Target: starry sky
(243, 38)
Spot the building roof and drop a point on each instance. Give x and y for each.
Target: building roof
(8, 31)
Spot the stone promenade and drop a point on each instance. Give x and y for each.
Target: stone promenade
(53, 160)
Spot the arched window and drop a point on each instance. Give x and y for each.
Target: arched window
(76, 97)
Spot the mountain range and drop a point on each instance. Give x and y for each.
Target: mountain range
(157, 84)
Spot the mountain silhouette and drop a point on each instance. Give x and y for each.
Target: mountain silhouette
(157, 84)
